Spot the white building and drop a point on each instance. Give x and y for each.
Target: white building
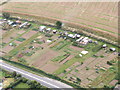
(42, 28)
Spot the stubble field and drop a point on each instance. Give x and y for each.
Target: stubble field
(101, 16)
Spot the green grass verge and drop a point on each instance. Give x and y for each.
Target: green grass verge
(21, 85)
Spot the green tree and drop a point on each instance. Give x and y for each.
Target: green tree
(14, 74)
(24, 80)
(19, 75)
(78, 79)
(58, 24)
(6, 15)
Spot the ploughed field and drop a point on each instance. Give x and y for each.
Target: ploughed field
(102, 16)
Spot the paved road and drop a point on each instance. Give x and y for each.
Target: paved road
(50, 83)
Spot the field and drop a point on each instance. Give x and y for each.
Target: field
(100, 16)
(55, 54)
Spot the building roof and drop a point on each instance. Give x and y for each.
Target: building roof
(84, 52)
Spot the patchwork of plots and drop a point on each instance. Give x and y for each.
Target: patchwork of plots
(69, 55)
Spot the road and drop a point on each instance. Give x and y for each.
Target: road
(50, 83)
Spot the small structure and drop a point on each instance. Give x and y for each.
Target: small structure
(48, 41)
(54, 31)
(48, 29)
(77, 36)
(10, 44)
(10, 23)
(14, 25)
(80, 55)
(42, 28)
(104, 46)
(96, 42)
(84, 52)
(18, 22)
(90, 41)
(66, 33)
(70, 35)
(112, 49)
(84, 41)
(24, 24)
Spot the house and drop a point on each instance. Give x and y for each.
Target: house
(42, 28)
(10, 44)
(112, 49)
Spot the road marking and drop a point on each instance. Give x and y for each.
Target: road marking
(30, 76)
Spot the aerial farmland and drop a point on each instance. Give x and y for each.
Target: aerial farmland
(75, 57)
(101, 16)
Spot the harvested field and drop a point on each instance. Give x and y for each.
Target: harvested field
(102, 16)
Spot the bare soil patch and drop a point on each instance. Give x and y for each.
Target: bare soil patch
(50, 67)
(44, 58)
(29, 34)
(7, 48)
(76, 48)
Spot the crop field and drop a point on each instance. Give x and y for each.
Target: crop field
(100, 16)
(81, 64)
